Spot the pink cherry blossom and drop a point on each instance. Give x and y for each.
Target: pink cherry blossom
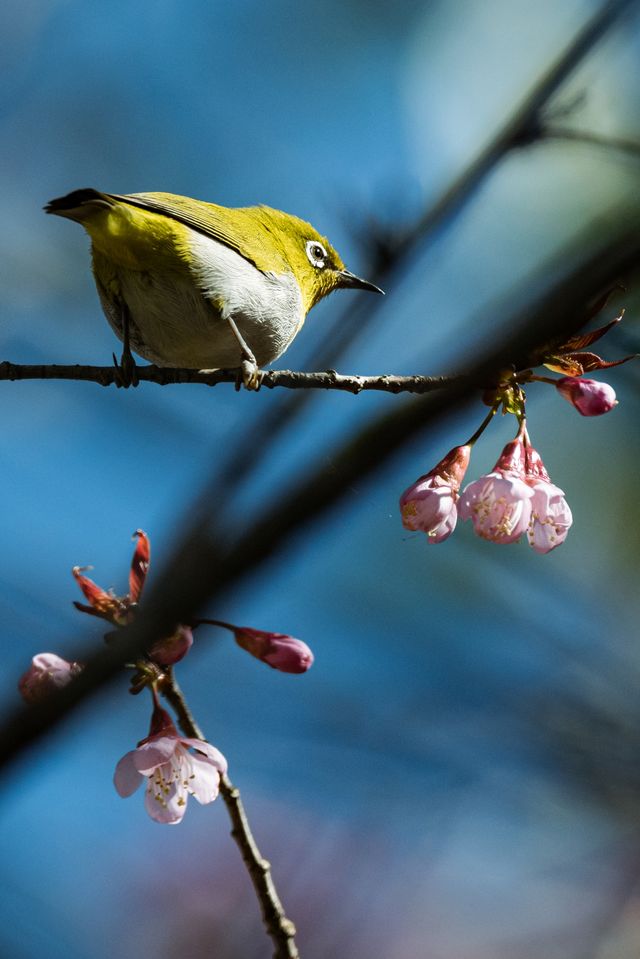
(589, 397)
(286, 653)
(518, 497)
(430, 504)
(551, 517)
(46, 674)
(174, 766)
(499, 505)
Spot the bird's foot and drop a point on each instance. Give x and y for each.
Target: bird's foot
(126, 371)
(249, 375)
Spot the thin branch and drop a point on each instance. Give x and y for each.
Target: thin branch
(621, 144)
(290, 379)
(278, 926)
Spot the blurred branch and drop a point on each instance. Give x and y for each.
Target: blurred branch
(524, 125)
(214, 556)
(522, 128)
(164, 376)
(281, 929)
(391, 253)
(593, 139)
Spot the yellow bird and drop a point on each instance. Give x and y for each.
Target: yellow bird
(192, 284)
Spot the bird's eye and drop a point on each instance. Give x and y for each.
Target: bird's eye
(316, 253)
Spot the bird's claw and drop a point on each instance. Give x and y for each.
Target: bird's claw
(126, 371)
(249, 375)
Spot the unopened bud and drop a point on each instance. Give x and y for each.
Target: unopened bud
(46, 674)
(171, 650)
(429, 504)
(277, 650)
(590, 397)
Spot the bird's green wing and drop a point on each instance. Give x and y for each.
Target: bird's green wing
(220, 223)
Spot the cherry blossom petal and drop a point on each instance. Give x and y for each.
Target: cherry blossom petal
(204, 782)
(208, 751)
(165, 805)
(156, 752)
(445, 529)
(126, 778)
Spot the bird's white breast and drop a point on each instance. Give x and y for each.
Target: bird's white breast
(267, 307)
(177, 319)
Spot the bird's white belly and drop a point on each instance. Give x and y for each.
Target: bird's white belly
(178, 320)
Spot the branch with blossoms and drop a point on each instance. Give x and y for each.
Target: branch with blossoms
(209, 559)
(271, 379)
(174, 766)
(517, 497)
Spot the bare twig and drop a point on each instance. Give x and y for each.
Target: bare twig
(619, 144)
(290, 379)
(279, 927)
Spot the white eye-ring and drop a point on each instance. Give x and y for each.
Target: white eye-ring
(316, 253)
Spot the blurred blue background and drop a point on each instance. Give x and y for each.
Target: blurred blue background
(457, 776)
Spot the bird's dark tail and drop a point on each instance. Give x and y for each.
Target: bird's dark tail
(80, 204)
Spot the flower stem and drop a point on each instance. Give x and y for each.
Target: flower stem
(213, 622)
(534, 378)
(478, 433)
(278, 926)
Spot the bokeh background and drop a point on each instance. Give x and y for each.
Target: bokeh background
(457, 776)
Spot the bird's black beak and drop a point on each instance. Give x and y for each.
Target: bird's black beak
(349, 281)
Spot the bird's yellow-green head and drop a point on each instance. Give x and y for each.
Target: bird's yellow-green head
(280, 242)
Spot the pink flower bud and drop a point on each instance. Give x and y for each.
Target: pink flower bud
(277, 650)
(551, 517)
(171, 650)
(46, 674)
(590, 397)
(429, 505)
